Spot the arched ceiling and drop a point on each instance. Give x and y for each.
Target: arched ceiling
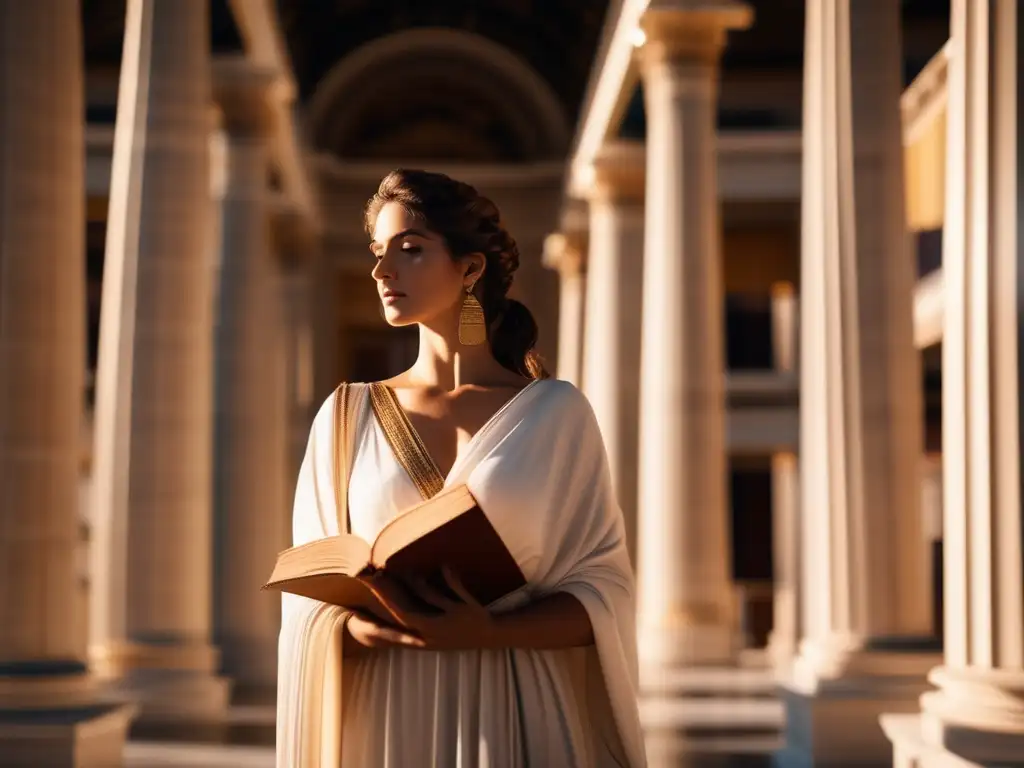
(438, 94)
(416, 110)
(558, 38)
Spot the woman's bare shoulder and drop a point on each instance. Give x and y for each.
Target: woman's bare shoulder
(401, 381)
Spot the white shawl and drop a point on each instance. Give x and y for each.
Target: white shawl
(540, 472)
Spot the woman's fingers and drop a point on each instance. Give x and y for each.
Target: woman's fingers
(373, 635)
(455, 585)
(388, 636)
(432, 597)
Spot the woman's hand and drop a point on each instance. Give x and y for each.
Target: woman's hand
(365, 633)
(458, 623)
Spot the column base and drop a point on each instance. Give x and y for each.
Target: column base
(834, 699)
(665, 651)
(169, 684)
(913, 748)
(711, 710)
(60, 721)
(781, 653)
(976, 718)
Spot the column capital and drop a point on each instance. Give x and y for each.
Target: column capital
(690, 30)
(619, 172)
(244, 93)
(566, 252)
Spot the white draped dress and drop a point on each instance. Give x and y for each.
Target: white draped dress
(539, 470)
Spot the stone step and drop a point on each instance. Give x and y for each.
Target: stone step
(153, 754)
(724, 714)
(679, 726)
(714, 682)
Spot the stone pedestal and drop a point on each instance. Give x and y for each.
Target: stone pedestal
(832, 709)
(611, 357)
(51, 713)
(152, 537)
(976, 715)
(866, 616)
(686, 614)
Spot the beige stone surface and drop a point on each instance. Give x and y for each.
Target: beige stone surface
(861, 433)
(49, 715)
(614, 315)
(685, 611)
(152, 540)
(251, 414)
(976, 715)
(42, 334)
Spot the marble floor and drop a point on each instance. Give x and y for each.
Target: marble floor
(701, 729)
(681, 735)
(665, 753)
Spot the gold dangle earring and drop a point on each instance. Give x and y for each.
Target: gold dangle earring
(472, 326)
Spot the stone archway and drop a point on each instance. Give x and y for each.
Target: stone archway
(436, 95)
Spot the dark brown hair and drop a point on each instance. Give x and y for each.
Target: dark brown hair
(470, 223)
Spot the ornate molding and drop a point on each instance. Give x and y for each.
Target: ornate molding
(566, 253)
(619, 170)
(487, 71)
(243, 91)
(689, 30)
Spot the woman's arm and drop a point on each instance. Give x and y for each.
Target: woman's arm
(555, 621)
(558, 620)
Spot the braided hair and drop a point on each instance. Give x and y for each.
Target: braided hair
(470, 223)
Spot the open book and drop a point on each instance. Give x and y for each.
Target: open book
(449, 529)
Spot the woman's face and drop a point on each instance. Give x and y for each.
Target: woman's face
(417, 279)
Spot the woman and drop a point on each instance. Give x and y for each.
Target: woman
(548, 676)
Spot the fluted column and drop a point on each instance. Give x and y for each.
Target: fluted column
(782, 643)
(614, 310)
(48, 702)
(864, 602)
(976, 717)
(152, 547)
(565, 252)
(685, 606)
(251, 407)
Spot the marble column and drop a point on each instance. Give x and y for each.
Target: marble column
(785, 328)
(976, 715)
(49, 708)
(866, 617)
(686, 613)
(614, 311)
(931, 531)
(782, 643)
(565, 252)
(152, 483)
(251, 407)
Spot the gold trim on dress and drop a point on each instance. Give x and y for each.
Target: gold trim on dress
(341, 461)
(406, 444)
